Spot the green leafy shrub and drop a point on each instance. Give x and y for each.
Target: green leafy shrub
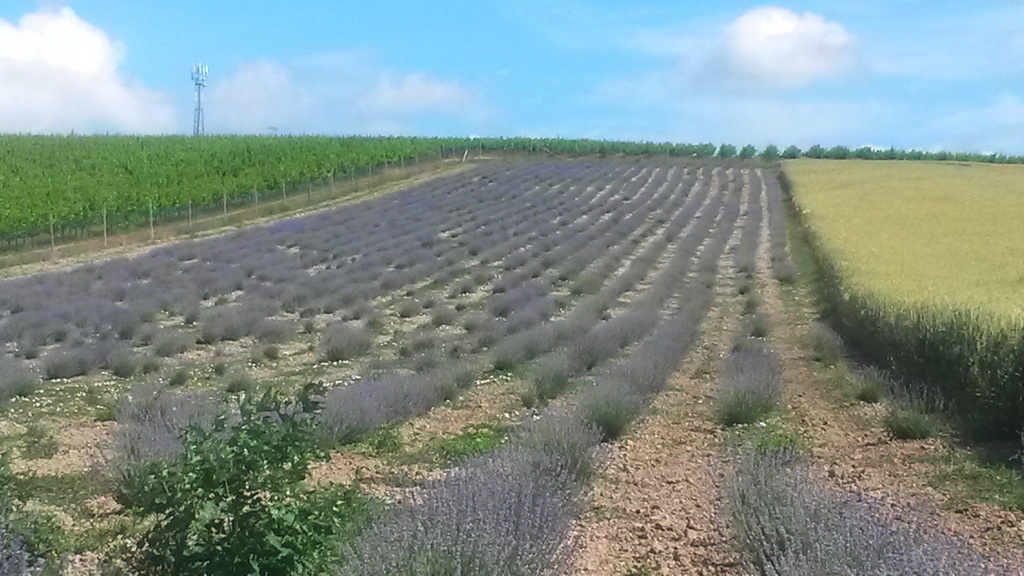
(235, 502)
(29, 541)
(472, 441)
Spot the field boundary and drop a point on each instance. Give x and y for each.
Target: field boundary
(972, 363)
(322, 197)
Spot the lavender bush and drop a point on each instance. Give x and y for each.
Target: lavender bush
(509, 512)
(494, 516)
(14, 558)
(826, 345)
(67, 362)
(351, 411)
(172, 342)
(343, 341)
(787, 522)
(611, 406)
(750, 386)
(151, 421)
(16, 379)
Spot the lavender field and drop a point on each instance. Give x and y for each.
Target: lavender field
(583, 284)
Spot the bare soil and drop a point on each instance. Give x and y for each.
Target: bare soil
(656, 506)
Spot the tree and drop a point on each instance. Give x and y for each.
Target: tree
(865, 153)
(838, 153)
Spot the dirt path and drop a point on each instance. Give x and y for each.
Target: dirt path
(655, 506)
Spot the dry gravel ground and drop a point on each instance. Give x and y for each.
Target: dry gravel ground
(656, 506)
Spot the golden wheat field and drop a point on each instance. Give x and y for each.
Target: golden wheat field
(920, 233)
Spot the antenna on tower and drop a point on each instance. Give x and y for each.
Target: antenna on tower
(199, 73)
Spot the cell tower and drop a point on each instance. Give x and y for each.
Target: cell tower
(199, 73)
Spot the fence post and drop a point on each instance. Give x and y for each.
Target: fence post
(53, 239)
(225, 198)
(152, 231)
(190, 217)
(104, 225)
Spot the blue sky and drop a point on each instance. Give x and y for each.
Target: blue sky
(905, 73)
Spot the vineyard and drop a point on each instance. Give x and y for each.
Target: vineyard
(425, 382)
(65, 186)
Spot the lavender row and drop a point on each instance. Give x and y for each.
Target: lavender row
(578, 352)
(512, 511)
(620, 392)
(788, 521)
(782, 267)
(314, 265)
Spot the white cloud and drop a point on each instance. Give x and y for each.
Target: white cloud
(415, 92)
(259, 96)
(342, 92)
(59, 73)
(764, 48)
(749, 79)
(773, 46)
